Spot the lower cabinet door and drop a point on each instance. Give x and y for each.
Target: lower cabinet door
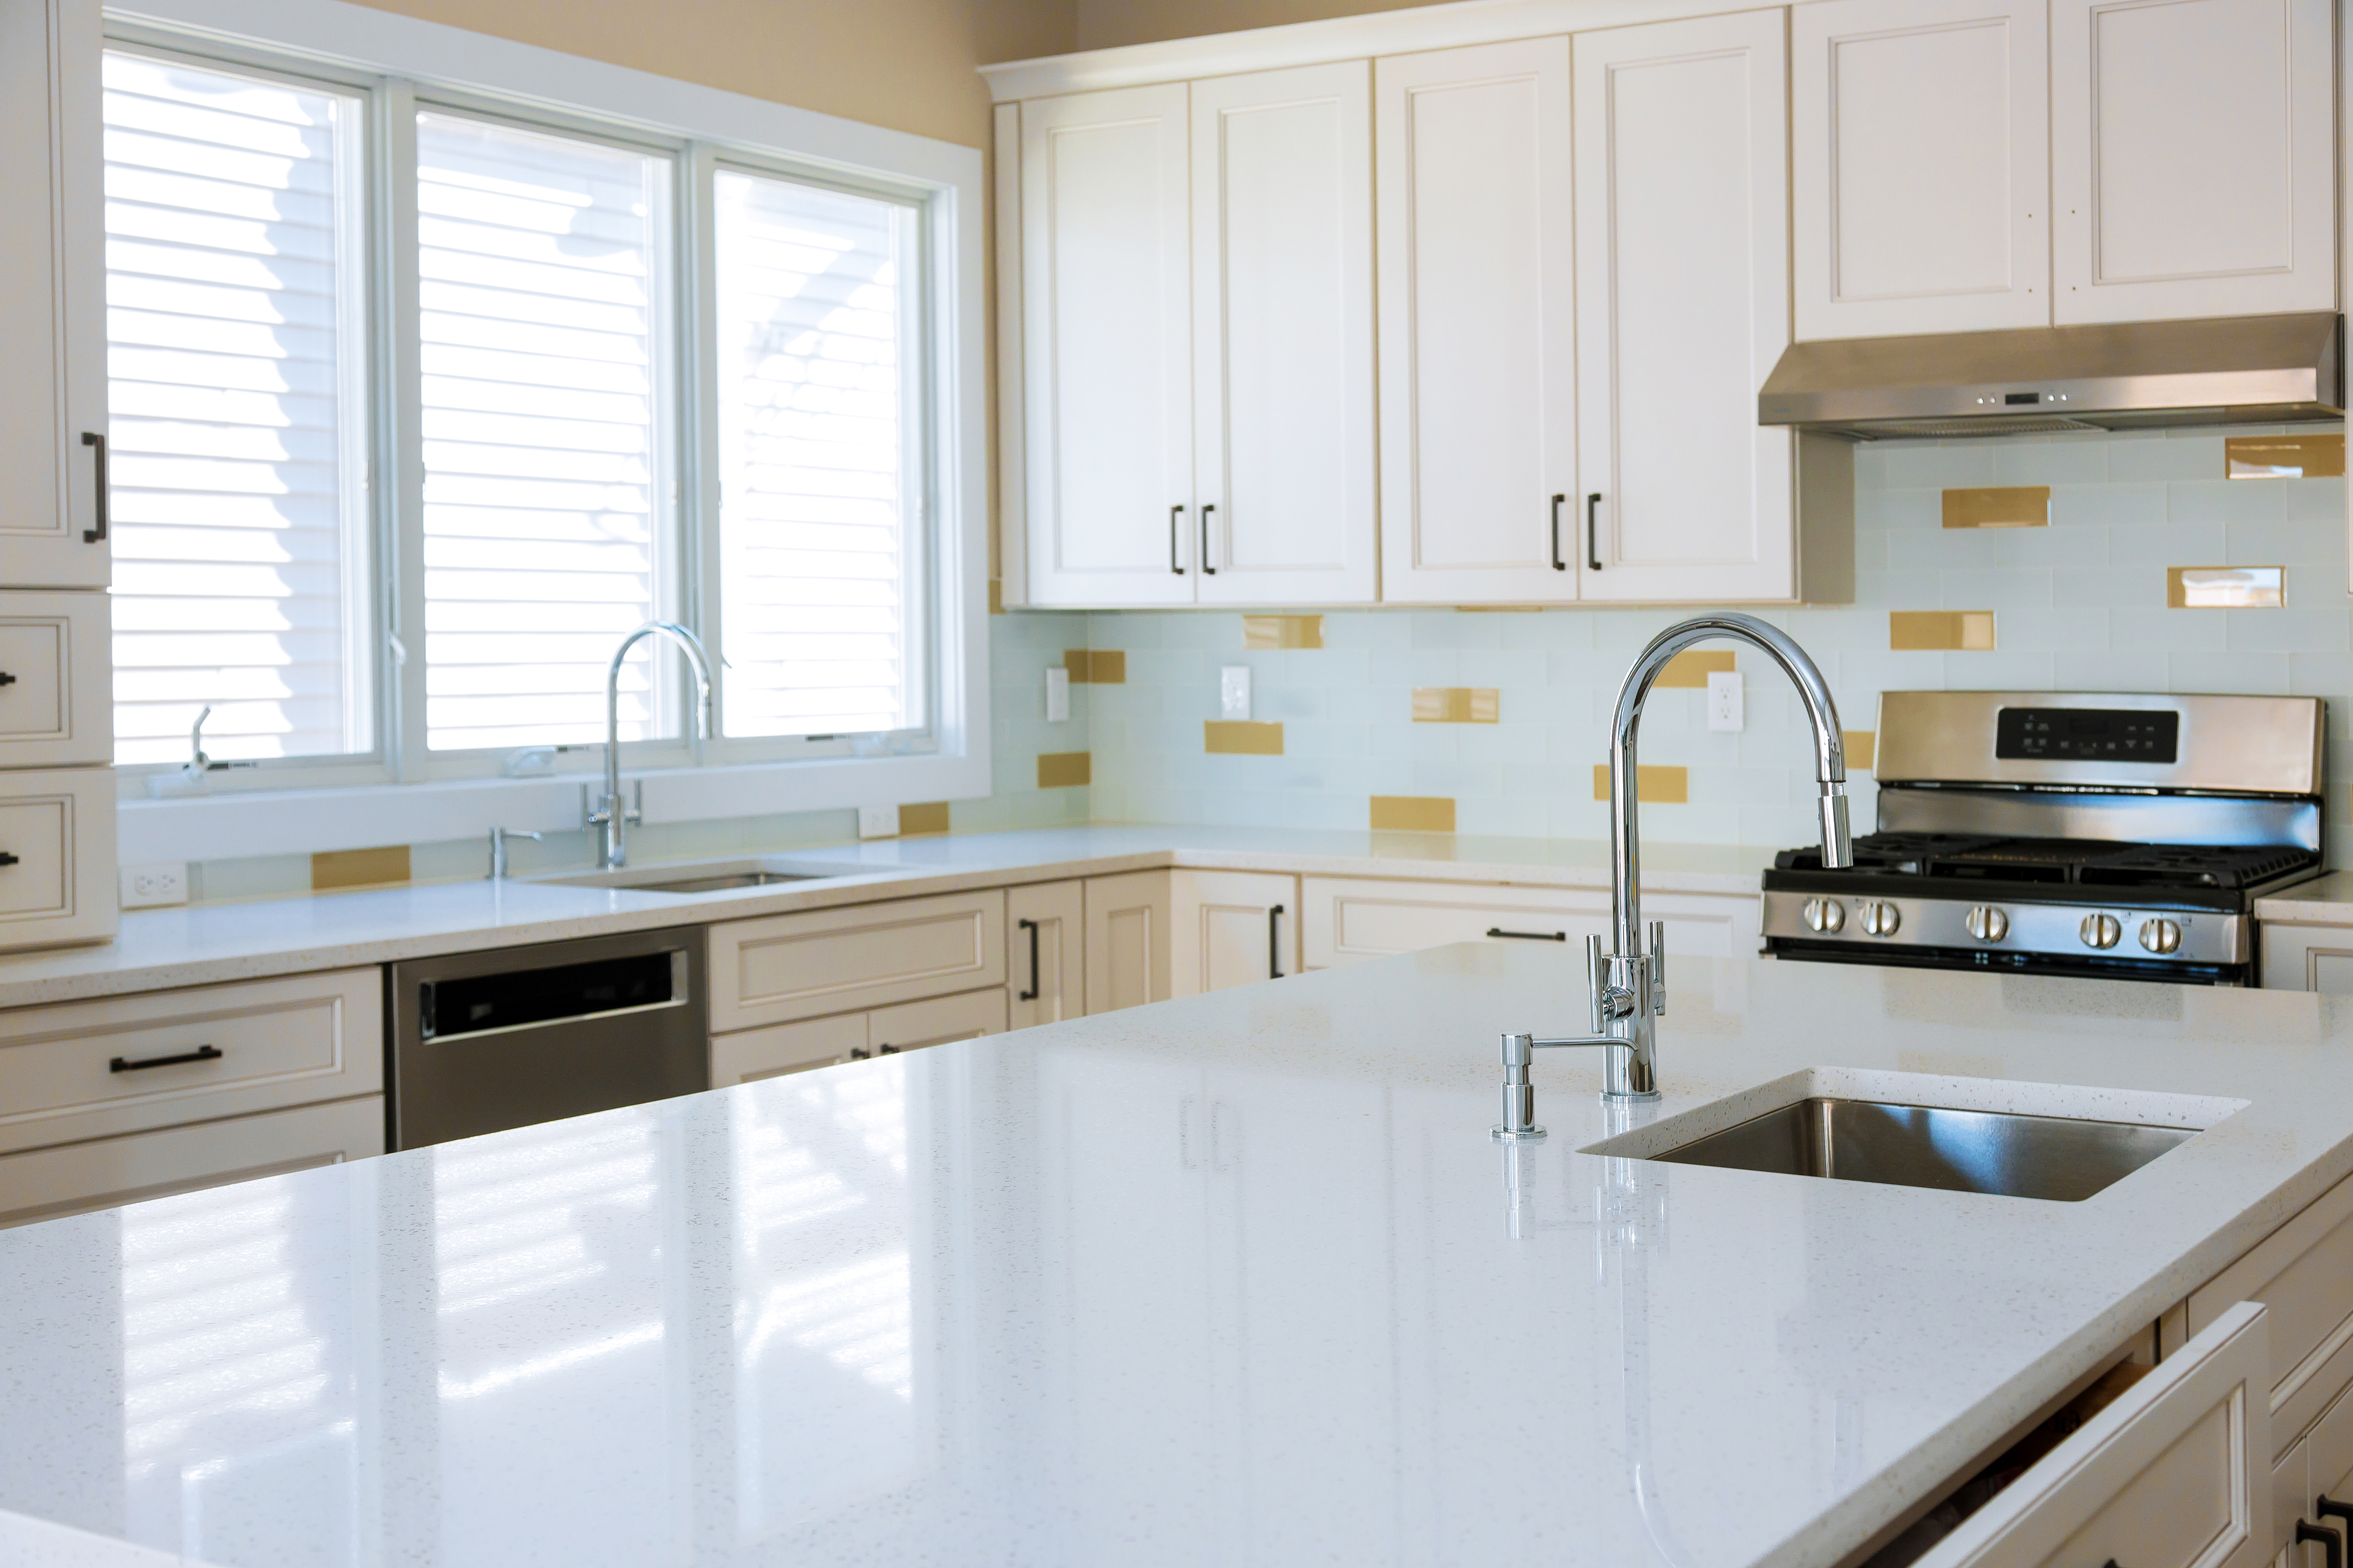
(1127, 940)
(1045, 949)
(56, 856)
(2173, 1474)
(1231, 928)
(43, 1184)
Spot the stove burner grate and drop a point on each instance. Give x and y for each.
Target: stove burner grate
(2082, 861)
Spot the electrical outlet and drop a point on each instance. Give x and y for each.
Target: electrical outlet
(1725, 710)
(1233, 691)
(148, 887)
(1058, 694)
(878, 822)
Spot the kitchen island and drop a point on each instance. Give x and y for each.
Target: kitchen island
(1236, 1278)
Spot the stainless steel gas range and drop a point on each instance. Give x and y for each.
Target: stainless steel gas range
(2100, 834)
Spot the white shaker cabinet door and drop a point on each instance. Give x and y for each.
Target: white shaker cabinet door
(52, 312)
(1282, 336)
(1231, 928)
(2191, 158)
(1920, 187)
(1045, 951)
(1106, 348)
(1477, 326)
(1683, 304)
(1127, 941)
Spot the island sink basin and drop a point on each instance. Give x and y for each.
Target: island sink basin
(2063, 1157)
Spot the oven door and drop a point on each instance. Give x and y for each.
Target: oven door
(1999, 962)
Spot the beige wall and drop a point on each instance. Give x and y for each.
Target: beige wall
(1104, 24)
(906, 64)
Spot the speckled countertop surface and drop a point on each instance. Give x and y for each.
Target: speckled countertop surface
(1238, 1278)
(2328, 898)
(206, 943)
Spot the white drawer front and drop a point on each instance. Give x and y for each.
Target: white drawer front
(58, 824)
(2303, 1272)
(913, 1025)
(48, 1182)
(833, 961)
(55, 707)
(781, 1048)
(254, 1047)
(1348, 919)
(2175, 1474)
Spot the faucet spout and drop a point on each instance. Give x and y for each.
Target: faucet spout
(610, 814)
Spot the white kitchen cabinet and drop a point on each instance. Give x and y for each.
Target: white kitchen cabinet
(1282, 336)
(1127, 926)
(1107, 348)
(56, 856)
(1478, 337)
(56, 702)
(1347, 919)
(1920, 183)
(2193, 158)
(2307, 958)
(52, 312)
(1682, 306)
(1045, 937)
(821, 962)
(1231, 928)
(780, 1048)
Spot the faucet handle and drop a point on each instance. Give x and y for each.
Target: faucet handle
(1593, 982)
(1658, 968)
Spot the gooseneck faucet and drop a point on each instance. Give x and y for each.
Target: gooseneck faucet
(608, 813)
(1626, 986)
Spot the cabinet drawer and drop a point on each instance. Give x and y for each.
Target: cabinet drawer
(45, 1184)
(253, 1046)
(2173, 1474)
(834, 961)
(2303, 1273)
(914, 1024)
(821, 1042)
(1348, 919)
(55, 707)
(58, 826)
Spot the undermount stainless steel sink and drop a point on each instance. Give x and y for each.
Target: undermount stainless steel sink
(2053, 1157)
(692, 877)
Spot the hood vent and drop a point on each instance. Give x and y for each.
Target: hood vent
(2240, 369)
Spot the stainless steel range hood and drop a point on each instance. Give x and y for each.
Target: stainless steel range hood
(2240, 370)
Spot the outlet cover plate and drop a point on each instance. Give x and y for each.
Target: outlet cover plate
(153, 886)
(1726, 708)
(878, 822)
(1058, 695)
(1234, 692)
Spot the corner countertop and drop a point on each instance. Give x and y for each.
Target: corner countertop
(1235, 1278)
(207, 943)
(2326, 900)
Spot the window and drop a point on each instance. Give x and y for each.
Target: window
(409, 431)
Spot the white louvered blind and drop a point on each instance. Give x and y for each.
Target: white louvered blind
(822, 602)
(235, 368)
(546, 492)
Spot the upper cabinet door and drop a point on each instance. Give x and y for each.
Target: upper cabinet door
(1477, 327)
(1682, 291)
(1921, 187)
(2192, 150)
(1106, 350)
(53, 310)
(1282, 336)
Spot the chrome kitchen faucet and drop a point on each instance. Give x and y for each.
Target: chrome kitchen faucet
(610, 812)
(1627, 988)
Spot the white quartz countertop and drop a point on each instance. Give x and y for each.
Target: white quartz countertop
(1238, 1278)
(206, 943)
(2328, 898)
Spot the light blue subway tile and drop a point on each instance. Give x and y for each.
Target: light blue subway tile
(1456, 629)
(2254, 673)
(2048, 461)
(2196, 457)
(1996, 589)
(2219, 500)
(2168, 631)
(2077, 627)
(2314, 500)
(2107, 506)
(1912, 467)
(2319, 629)
(1998, 670)
(2122, 588)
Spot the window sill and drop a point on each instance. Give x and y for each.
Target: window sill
(363, 817)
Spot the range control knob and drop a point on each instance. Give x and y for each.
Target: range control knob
(1986, 924)
(1881, 917)
(2160, 936)
(2101, 931)
(1825, 915)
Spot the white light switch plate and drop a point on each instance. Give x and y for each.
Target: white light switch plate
(1725, 709)
(151, 887)
(1058, 694)
(878, 822)
(1233, 691)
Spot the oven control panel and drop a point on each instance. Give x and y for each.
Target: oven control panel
(2087, 735)
(2064, 930)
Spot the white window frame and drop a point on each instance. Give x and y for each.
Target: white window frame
(403, 794)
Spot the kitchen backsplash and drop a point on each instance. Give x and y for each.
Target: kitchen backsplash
(1514, 705)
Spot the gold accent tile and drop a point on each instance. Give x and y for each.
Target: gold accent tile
(1693, 666)
(1969, 631)
(1862, 748)
(1667, 783)
(359, 867)
(996, 596)
(1079, 663)
(916, 821)
(1062, 770)
(1099, 666)
(2283, 456)
(2226, 587)
(1242, 737)
(2008, 506)
(1263, 632)
(1413, 813)
(1456, 704)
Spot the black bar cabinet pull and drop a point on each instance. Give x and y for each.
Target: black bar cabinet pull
(1558, 564)
(2327, 1507)
(1529, 935)
(1592, 550)
(1274, 942)
(92, 439)
(1206, 570)
(886, 1050)
(2332, 1545)
(201, 1054)
(1176, 522)
(6, 858)
(6, 678)
(1031, 927)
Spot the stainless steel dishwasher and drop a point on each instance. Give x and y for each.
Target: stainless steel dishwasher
(485, 1041)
